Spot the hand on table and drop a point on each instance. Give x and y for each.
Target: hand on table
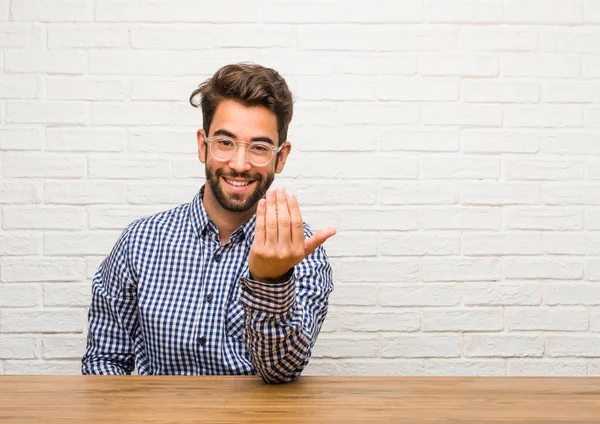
(279, 243)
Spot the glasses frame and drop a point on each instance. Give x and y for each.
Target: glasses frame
(209, 140)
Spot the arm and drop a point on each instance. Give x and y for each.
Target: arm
(112, 316)
(283, 320)
(286, 299)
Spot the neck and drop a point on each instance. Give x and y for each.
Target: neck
(226, 221)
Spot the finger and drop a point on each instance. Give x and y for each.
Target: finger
(296, 219)
(284, 235)
(271, 220)
(318, 239)
(259, 234)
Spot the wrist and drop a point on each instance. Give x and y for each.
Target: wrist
(277, 280)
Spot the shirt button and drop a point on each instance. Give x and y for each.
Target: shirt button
(217, 257)
(202, 341)
(209, 298)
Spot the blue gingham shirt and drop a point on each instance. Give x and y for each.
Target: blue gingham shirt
(170, 299)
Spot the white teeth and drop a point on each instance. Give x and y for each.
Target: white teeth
(238, 183)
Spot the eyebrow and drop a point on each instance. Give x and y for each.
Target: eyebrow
(229, 134)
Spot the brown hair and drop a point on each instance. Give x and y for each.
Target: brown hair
(251, 85)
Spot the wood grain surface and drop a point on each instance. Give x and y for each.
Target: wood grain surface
(170, 399)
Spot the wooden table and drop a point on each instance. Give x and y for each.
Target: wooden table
(165, 399)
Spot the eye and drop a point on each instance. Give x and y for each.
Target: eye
(259, 147)
(224, 142)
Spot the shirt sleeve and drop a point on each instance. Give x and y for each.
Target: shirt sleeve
(283, 320)
(112, 316)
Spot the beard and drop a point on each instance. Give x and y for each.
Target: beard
(237, 202)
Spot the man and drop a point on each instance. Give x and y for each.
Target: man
(232, 282)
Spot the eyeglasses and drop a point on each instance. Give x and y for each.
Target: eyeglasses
(258, 153)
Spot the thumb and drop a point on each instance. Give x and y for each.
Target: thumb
(318, 239)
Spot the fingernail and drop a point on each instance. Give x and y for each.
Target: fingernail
(290, 195)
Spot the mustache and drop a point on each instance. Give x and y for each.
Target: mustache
(245, 175)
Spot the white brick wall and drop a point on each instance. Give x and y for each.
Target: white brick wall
(455, 144)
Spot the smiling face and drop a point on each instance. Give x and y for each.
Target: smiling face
(237, 185)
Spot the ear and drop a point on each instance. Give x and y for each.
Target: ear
(201, 146)
(285, 151)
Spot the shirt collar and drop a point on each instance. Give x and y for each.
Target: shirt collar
(201, 221)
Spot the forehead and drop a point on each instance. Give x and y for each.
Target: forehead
(243, 121)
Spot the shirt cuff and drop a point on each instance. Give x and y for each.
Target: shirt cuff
(275, 298)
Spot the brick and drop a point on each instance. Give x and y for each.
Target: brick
(42, 320)
(20, 86)
(67, 294)
(77, 243)
(466, 11)
(21, 36)
(572, 294)
(471, 319)
(47, 112)
(421, 193)
(594, 368)
(341, 88)
(330, 325)
(313, 167)
(168, 194)
(571, 92)
(592, 270)
(92, 265)
(129, 168)
(498, 39)
(375, 113)
(501, 91)
(500, 141)
(460, 269)
(378, 219)
(593, 169)
(500, 244)
(69, 88)
(117, 218)
(502, 345)
(85, 36)
(501, 294)
(163, 141)
(455, 218)
(411, 295)
(267, 36)
(341, 346)
(43, 165)
(573, 346)
(462, 65)
(382, 11)
(571, 194)
(592, 219)
(544, 170)
(540, 218)
(417, 89)
(591, 11)
(335, 37)
(401, 139)
(273, 11)
(343, 138)
(37, 367)
(137, 113)
(464, 368)
(421, 346)
(354, 294)
(540, 65)
(333, 193)
(540, 268)
(63, 347)
(592, 115)
(367, 367)
(543, 116)
(346, 244)
(84, 193)
(377, 270)
(16, 243)
(162, 89)
(380, 321)
(86, 140)
(500, 193)
(50, 11)
(418, 244)
(365, 165)
(455, 167)
(547, 319)
(26, 269)
(573, 143)
(19, 295)
(124, 61)
(291, 63)
(545, 368)
(590, 67)
(380, 64)
(416, 38)
(161, 11)
(45, 62)
(594, 321)
(462, 114)
(175, 37)
(21, 139)
(570, 40)
(19, 347)
(572, 243)
(543, 11)
(18, 192)
(186, 168)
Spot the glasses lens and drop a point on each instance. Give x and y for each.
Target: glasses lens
(222, 148)
(260, 153)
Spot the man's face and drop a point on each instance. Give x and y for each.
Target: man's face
(237, 185)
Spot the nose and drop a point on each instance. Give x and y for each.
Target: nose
(239, 162)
